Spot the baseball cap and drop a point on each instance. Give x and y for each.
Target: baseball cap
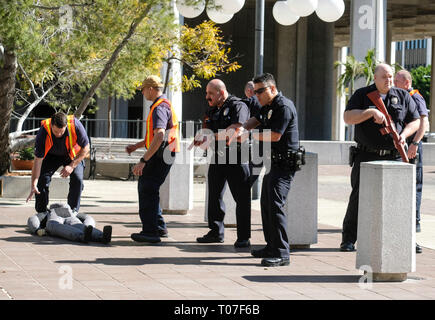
(151, 81)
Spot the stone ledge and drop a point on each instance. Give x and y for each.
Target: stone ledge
(19, 187)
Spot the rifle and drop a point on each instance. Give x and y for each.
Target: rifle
(389, 127)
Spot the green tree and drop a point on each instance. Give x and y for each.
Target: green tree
(354, 70)
(421, 80)
(106, 49)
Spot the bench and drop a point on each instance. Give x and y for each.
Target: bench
(109, 159)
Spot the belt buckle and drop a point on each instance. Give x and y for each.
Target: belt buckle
(382, 152)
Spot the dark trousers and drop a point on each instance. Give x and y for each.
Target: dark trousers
(274, 192)
(350, 222)
(419, 180)
(148, 187)
(237, 176)
(50, 164)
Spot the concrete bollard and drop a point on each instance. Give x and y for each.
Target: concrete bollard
(302, 205)
(176, 193)
(386, 220)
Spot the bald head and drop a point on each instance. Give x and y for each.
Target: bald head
(383, 77)
(217, 84)
(249, 89)
(216, 93)
(403, 79)
(383, 67)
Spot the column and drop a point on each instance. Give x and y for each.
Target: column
(368, 30)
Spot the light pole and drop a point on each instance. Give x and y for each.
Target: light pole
(259, 36)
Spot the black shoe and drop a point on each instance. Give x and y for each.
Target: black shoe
(163, 233)
(275, 262)
(107, 234)
(87, 234)
(418, 249)
(261, 253)
(417, 227)
(208, 238)
(140, 237)
(347, 247)
(242, 243)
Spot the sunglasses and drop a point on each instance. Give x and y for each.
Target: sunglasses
(261, 90)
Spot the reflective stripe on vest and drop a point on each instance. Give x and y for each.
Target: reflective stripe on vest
(414, 92)
(71, 141)
(173, 136)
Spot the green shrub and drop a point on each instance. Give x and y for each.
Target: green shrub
(26, 154)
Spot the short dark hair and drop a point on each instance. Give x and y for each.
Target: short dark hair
(59, 119)
(265, 78)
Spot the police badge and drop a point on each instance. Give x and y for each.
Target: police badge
(269, 114)
(226, 112)
(394, 100)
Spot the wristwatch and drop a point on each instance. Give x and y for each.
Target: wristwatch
(415, 143)
(143, 160)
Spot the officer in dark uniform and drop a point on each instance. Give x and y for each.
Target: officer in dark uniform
(403, 80)
(254, 106)
(229, 164)
(278, 118)
(372, 145)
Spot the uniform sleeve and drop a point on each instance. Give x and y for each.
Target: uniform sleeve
(40, 143)
(356, 101)
(412, 113)
(241, 115)
(254, 106)
(280, 119)
(82, 136)
(421, 104)
(161, 115)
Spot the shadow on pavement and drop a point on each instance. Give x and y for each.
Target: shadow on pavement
(212, 261)
(306, 278)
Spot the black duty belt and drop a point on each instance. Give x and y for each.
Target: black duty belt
(379, 152)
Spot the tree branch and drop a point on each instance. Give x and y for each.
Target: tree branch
(29, 81)
(71, 5)
(109, 64)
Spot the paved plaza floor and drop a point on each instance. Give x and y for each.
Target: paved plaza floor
(178, 268)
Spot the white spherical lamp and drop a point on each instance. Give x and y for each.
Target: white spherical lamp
(190, 11)
(218, 16)
(302, 8)
(330, 10)
(230, 6)
(282, 14)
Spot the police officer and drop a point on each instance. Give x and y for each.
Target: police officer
(255, 165)
(161, 139)
(61, 141)
(278, 115)
(229, 164)
(372, 145)
(403, 80)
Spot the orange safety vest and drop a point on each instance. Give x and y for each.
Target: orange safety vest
(173, 137)
(71, 141)
(414, 92)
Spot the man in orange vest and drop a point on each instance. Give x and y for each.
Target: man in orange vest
(403, 80)
(61, 141)
(161, 139)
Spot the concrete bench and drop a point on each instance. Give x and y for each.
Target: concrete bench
(386, 220)
(109, 159)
